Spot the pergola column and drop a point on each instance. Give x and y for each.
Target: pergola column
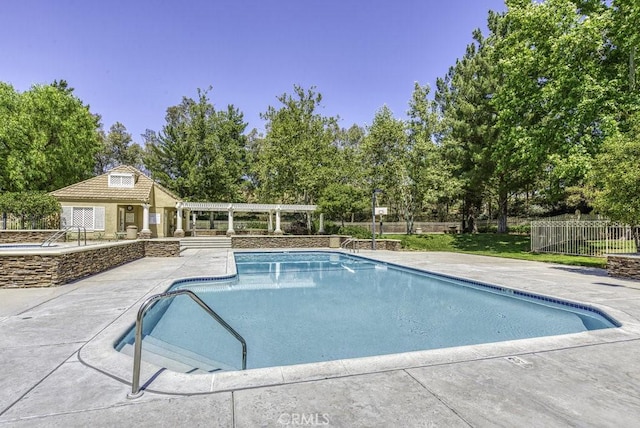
(278, 231)
(179, 232)
(193, 223)
(230, 230)
(270, 222)
(321, 228)
(145, 233)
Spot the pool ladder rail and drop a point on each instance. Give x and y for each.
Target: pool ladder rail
(354, 244)
(62, 232)
(136, 391)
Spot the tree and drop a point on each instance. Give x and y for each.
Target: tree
(339, 200)
(230, 143)
(382, 157)
(349, 145)
(622, 62)
(251, 185)
(296, 159)
(427, 177)
(10, 130)
(467, 128)
(616, 177)
(199, 153)
(29, 206)
(118, 149)
(529, 105)
(553, 104)
(48, 138)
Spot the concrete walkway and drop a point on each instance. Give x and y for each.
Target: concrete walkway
(49, 336)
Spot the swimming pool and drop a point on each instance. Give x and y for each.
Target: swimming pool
(302, 307)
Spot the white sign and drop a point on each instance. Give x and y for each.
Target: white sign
(381, 210)
(154, 218)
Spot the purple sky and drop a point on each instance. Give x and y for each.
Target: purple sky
(130, 60)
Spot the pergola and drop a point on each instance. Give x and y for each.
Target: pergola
(230, 208)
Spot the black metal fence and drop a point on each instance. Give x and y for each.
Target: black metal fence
(9, 221)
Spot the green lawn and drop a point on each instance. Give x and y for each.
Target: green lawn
(490, 244)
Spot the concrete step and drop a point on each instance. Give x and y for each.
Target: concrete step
(188, 356)
(204, 245)
(160, 360)
(175, 358)
(205, 242)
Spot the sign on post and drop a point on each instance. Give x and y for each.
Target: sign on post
(381, 210)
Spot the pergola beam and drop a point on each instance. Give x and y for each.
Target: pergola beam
(223, 206)
(230, 208)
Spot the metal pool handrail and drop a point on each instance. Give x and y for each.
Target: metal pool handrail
(51, 239)
(147, 304)
(351, 241)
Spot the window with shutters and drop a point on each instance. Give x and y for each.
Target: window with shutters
(91, 218)
(121, 180)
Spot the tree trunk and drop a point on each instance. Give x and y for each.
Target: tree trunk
(502, 211)
(632, 70)
(472, 205)
(472, 224)
(465, 215)
(410, 225)
(409, 219)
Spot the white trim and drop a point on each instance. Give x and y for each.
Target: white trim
(121, 180)
(97, 217)
(225, 206)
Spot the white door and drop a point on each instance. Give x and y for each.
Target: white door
(121, 219)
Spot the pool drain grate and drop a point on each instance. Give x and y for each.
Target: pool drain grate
(518, 361)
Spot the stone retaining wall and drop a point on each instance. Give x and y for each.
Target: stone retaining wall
(219, 232)
(309, 241)
(56, 267)
(624, 266)
(381, 244)
(27, 271)
(76, 265)
(283, 241)
(162, 248)
(25, 236)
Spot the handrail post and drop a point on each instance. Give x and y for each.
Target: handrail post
(137, 352)
(136, 391)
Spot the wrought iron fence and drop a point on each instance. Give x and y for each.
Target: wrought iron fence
(582, 237)
(9, 221)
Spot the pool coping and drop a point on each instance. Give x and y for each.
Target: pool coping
(99, 353)
(58, 248)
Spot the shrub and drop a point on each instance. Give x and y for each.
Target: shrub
(297, 228)
(330, 228)
(523, 229)
(256, 225)
(29, 206)
(355, 231)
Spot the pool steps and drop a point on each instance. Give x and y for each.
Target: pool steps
(175, 358)
(205, 242)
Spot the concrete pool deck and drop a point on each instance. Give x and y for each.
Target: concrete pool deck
(55, 370)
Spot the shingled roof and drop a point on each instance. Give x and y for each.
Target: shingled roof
(97, 188)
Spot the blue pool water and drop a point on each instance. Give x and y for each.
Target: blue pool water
(303, 307)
